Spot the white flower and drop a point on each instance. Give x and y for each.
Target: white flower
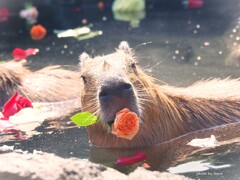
(30, 14)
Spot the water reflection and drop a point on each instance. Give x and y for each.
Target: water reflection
(175, 152)
(73, 142)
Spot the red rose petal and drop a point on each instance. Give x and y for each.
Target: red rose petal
(19, 54)
(4, 14)
(195, 3)
(38, 32)
(10, 107)
(137, 157)
(20, 136)
(31, 51)
(101, 5)
(15, 104)
(24, 102)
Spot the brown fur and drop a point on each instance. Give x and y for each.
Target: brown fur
(167, 112)
(50, 84)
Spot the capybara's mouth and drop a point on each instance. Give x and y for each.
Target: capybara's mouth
(110, 119)
(110, 123)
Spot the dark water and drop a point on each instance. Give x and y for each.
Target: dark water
(186, 45)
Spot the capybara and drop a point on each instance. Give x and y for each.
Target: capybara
(49, 84)
(115, 81)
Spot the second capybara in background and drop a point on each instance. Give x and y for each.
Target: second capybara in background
(50, 84)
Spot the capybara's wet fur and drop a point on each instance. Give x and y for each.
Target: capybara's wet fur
(166, 112)
(50, 84)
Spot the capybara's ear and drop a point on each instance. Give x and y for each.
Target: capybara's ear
(22, 62)
(124, 47)
(83, 58)
(18, 63)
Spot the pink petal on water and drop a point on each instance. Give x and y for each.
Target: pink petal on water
(31, 51)
(137, 157)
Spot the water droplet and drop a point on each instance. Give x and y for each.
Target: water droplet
(198, 26)
(65, 46)
(231, 36)
(48, 48)
(91, 25)
(195, 63)
(70, 52)
(166, 42)
(195, 31)
(174, 57)
(199, 58)
(206, 43)
(84, 21)
(237, 38)
(62, 52)
(234, 30)
(182, 57)
(235, 44)
(220, 52)
(104, 18)
(177, 52)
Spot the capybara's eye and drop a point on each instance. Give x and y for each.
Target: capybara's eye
(134, 68)
(84, 79)
(133, 65)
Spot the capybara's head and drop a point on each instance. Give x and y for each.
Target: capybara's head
(109, 84)
(114, 82)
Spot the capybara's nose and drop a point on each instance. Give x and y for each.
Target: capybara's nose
(115, 92)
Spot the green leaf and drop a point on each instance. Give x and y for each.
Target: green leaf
(84, 119)
(91, 34)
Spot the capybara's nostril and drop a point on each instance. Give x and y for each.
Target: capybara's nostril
(103, 94)
(116, 90)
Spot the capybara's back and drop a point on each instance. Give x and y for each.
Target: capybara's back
(50, 84)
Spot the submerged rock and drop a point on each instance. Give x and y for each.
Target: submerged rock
(16, 166)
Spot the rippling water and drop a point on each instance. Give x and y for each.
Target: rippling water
(186, 45)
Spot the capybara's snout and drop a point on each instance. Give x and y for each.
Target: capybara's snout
(115, 92)
(114, 95)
